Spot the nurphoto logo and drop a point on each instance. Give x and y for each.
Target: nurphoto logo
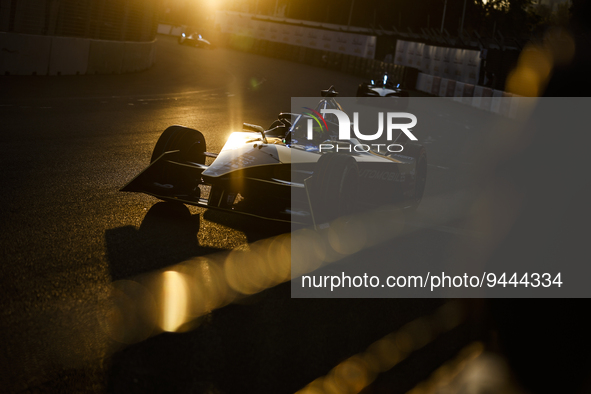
(390, 118)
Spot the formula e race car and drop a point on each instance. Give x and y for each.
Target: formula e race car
(195, 40)
(383, 86)
(279, 173)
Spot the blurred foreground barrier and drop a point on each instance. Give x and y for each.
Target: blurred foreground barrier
(359, 371)
(443, 378)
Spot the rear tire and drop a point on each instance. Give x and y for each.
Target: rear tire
(334, 186)
(189, 142)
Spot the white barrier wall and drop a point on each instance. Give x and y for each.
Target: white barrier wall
(176, 31)
(480, 97)
(23, 54)
(327, 40)
(69, 56)
(443, 87)
(451, 63)
(27, 54)
(164, 28)
(137, 56)
(459, 91)
(105, 57)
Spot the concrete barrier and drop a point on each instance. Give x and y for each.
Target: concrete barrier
(506, 104)
(421, 79)
(428, 83)
(495, 105)
(28, 54)
(164, 28)
(468, 93)
(436, 85)
(459, 91)
(486, 100)
(24, 54)
(443, 87)
(451, 88)
(514, 104)
(69, 56)
(477, 96)
(137, 56)
(105, 57)
(176, 31)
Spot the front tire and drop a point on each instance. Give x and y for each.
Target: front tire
(189, 142)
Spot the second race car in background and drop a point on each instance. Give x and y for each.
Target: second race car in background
(384, 86)
(195, 40)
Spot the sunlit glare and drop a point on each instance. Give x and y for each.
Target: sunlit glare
(174, 301)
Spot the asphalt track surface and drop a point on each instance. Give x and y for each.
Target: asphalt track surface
(69, 143)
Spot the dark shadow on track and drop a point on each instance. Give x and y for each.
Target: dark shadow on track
(254, 228)
(167, 236)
